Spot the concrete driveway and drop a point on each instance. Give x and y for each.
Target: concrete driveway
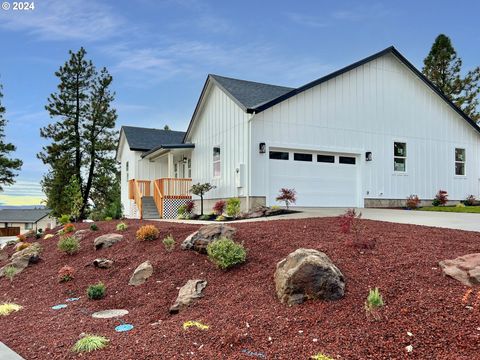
(460, 221)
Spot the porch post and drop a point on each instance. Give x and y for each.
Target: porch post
(170, 164)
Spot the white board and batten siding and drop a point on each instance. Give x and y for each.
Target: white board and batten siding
(364, 110)
(219, 123)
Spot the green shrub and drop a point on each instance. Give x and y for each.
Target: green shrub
(226, 253)
(94, 227)
(182, 210)
(220, 218)
(10, 272)
(69, 245)
(96, 292)
(64, 219)
(320, 356)
(108, 218)
(90, 343)
(205, 217)
(122, 226)
(374, 300)
(233, 207)
(169, 243)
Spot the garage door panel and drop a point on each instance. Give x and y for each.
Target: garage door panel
(317, 184)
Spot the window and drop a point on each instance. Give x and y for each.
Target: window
(326, 158)
(28, 226)
(347, 160)
(278, 155)
(175, 170)
(126, 168)
(400, 156)
(216, 162)
(302, 157)
(189, 167)
(460, 162)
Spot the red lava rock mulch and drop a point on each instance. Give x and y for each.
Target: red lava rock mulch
(240, 305)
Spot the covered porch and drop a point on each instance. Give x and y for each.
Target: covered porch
(163, 183)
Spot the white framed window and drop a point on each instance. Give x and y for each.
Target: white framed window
(175, 170)
(126, 168)
(28, 226)
(399, 156)
(189, 168)
(460, 159)
(216, 162)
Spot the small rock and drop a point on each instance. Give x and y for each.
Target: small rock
(465, 269)
(189, 292)
(409, 348)
(409, 333)
(141, 273)
(80, 234)
(109, 314)
(315, 340)
(106, 241)
(103, 263)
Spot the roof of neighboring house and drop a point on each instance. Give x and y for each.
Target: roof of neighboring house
(23, 215)
(249, 94)
(145, 139)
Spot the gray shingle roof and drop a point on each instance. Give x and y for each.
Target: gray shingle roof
(22, 215)
(250, 94)
(145, 139)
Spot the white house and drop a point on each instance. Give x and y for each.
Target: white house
(369, 134)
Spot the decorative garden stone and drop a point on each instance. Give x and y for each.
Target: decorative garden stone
(103, 263)
(189, 292)
(109, 314)
(141, 273)
(21, 259)
(106, 240)
(465, 269)
(199, 240)
(80, 234)
(308, 274)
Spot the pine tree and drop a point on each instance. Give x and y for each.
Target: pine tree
(83, 135)
(8, 166)
(443, 67)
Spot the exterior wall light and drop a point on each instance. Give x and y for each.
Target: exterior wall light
(262, 148)
(368, 156)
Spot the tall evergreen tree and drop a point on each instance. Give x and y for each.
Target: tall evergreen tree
(443, 67)
(83, 135)
(8, 165)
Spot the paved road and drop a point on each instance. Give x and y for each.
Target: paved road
(460, 221)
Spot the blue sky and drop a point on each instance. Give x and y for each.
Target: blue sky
(160, 52)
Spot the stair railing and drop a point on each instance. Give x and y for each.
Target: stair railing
(140, 188)
(158, 196)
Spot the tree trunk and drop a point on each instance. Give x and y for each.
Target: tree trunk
(201, 204)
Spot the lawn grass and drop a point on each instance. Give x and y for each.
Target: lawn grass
(466, 209)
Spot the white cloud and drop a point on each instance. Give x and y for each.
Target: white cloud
(24, 188)
(307, 20)
(65, 20)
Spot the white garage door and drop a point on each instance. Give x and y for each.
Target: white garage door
(320, 179)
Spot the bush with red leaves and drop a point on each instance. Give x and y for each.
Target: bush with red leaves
(441, 198)
(68, 228)
(219, 207)
(412, 202)
(350, 224)
(66, 273)
(189, 206)
(288, 196)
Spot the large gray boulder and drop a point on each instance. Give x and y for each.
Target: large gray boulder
(141, 273)
(21, 259)
(308, 274)
(106, 241)
(465, 269)
(199, 240)
(188, 293)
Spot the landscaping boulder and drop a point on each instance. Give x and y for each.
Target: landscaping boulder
(106, 240)
(21, 259)
(465, 269)
(189, 292)
(110, 314)
(308, 274)
(80, 234)
(102, 263)
(199, 240)
(141, 273)
(262, 211)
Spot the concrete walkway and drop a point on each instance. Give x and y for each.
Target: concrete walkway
(460, 221)
(8, 354)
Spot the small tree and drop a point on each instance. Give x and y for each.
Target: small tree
(289, 196)
(200, 190)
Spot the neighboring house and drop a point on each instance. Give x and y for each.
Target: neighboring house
(367, 135)
(20, 221)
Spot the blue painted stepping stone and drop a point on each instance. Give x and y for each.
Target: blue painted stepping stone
(124, 327)
(60, 306)
(72, 299)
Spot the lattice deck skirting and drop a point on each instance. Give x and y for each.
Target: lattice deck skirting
(170, 207)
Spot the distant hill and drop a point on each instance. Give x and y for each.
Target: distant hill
(22, 207)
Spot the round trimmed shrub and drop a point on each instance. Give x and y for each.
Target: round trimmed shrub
(122, 226)
(69, 245)
(147, 232)
(226, 253)
(96, 292)
(94, 227)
